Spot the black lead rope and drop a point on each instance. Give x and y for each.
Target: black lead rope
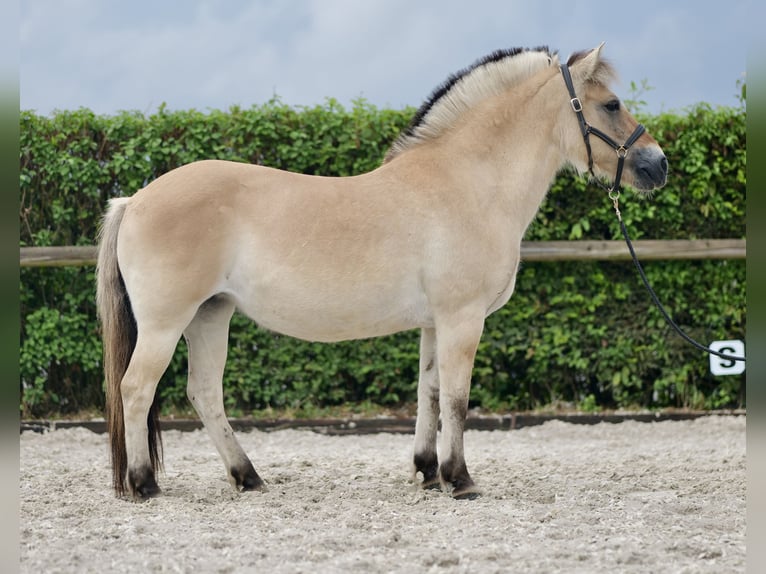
(656, 300)
(614, 194)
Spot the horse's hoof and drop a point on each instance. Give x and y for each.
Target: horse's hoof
(427, 465)
(252, 486)
(456, 476)
(142, 484)
(245, 478)
(467, 495)
(146, 492)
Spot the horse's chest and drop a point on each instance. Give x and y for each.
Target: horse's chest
(503, 287)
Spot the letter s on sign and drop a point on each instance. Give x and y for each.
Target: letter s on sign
(720, 366)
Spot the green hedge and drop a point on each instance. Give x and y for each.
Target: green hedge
(580, 333)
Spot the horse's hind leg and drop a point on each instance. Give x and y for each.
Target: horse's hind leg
(151, 356)
(427, 421)
(207, 339)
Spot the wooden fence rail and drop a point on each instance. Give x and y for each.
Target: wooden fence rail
(647, 250)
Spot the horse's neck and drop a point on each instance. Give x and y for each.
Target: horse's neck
(512, 144)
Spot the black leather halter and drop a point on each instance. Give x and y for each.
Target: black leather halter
(587, 129)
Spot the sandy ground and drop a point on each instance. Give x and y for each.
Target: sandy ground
(629, 497)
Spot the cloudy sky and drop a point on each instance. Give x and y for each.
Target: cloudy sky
(110, 55)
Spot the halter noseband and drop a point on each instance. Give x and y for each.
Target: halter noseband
(587, 129)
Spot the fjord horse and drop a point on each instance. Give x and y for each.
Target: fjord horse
(430, 240)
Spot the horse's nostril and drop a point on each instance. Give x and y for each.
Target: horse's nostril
(664, 164)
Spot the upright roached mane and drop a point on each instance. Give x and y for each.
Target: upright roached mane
(430, 240)
(489, 76)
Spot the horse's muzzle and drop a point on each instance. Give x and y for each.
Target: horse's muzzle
(650, 168)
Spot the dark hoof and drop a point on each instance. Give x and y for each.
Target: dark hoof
(428, 466)
(245, 478)
(142, 484)
(456, 475)
(467, 495)
(148, 491)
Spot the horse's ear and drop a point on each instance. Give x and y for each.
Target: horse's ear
(586, 66)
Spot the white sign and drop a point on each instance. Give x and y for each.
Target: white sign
(721, 366)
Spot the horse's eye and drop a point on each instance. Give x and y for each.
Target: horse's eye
(612, 105)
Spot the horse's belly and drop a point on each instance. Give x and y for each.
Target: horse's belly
(343, 314)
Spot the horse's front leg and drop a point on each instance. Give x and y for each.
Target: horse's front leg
(457, 339)
(427, 422)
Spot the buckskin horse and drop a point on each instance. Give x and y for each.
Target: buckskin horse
(429, 240)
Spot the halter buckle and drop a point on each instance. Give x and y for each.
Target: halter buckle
(576, 104)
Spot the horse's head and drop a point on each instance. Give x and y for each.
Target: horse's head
(599, 130)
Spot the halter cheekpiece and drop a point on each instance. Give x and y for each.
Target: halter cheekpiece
(587, 129)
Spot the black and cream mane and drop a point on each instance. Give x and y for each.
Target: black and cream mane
(488, 76)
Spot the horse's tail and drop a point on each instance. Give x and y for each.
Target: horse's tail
(118, 332)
